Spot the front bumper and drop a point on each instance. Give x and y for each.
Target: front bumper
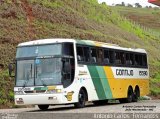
(40, 99)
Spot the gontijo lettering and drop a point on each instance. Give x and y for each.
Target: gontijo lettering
(124, 72)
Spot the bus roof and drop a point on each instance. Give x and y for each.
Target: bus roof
(82, 42)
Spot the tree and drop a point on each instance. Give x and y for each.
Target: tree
(123, 4)
(103, 3)
(138, 5)
(118, 5)
(129, 5)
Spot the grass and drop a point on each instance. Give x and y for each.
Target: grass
(6, 90)
(48, 3)
(155, 84)
(148, 18)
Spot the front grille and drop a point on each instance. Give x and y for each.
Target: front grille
(28, 91)
(40, 91)
(36, 91)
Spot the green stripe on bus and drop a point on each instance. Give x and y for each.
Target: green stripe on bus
(40, 88)
(104, 81)
(97, 82)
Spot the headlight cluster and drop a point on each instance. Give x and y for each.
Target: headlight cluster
(18, 92)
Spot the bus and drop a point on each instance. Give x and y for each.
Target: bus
(69, 71)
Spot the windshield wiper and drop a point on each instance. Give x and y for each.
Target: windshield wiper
(28, 73)
(26, 81)
(43, 82)
(39, 78)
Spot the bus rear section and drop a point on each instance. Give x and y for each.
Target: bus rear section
(116, 72)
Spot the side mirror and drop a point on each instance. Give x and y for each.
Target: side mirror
(67, 67)
(11, 69)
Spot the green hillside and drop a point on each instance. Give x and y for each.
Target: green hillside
(80, 19)
(147, 17)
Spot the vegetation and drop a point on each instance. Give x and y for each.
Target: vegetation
(6, 90)
(80, 19)
(155, 84)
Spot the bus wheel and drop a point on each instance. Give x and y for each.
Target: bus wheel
(136, 95)
(100, 102)
(129, 96)
(81, 99)
(43, 107)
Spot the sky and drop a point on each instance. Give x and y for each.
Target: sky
(142, 2)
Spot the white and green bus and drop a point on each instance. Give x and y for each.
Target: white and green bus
(69, 71)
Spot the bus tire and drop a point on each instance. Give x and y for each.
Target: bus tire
(43, 107)
(82, 96)
(100, 102)
(136, 94)
(129, 96)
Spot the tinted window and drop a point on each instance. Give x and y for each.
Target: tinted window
(120, 58)
(132, 58)
(80, 54)
(100, 56)
(93, 55)
(106, 57)
(68, 49)
(86, 54)
(144, 62)
(111, 56)
(129, 59)
(137, 60)
(141, 60)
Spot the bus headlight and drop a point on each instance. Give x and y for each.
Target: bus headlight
(54, 91)
(18, 92)
(51, 91)
(58, 90)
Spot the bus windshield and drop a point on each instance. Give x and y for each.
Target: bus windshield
(44, 65)
(39, 72)
(39, 50)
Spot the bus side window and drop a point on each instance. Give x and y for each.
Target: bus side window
(111, 57)
(68, 49)
(68, 77)
(100, 55)
(80, 54)
(106, 57)
(128, 63)
(140, 60)
(144, 62)
(93, 55)
(117, 58)
(122, 58)
(86, 54)
(136, 59)
(131, 59)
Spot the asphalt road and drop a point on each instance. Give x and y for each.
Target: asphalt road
(145, 106)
